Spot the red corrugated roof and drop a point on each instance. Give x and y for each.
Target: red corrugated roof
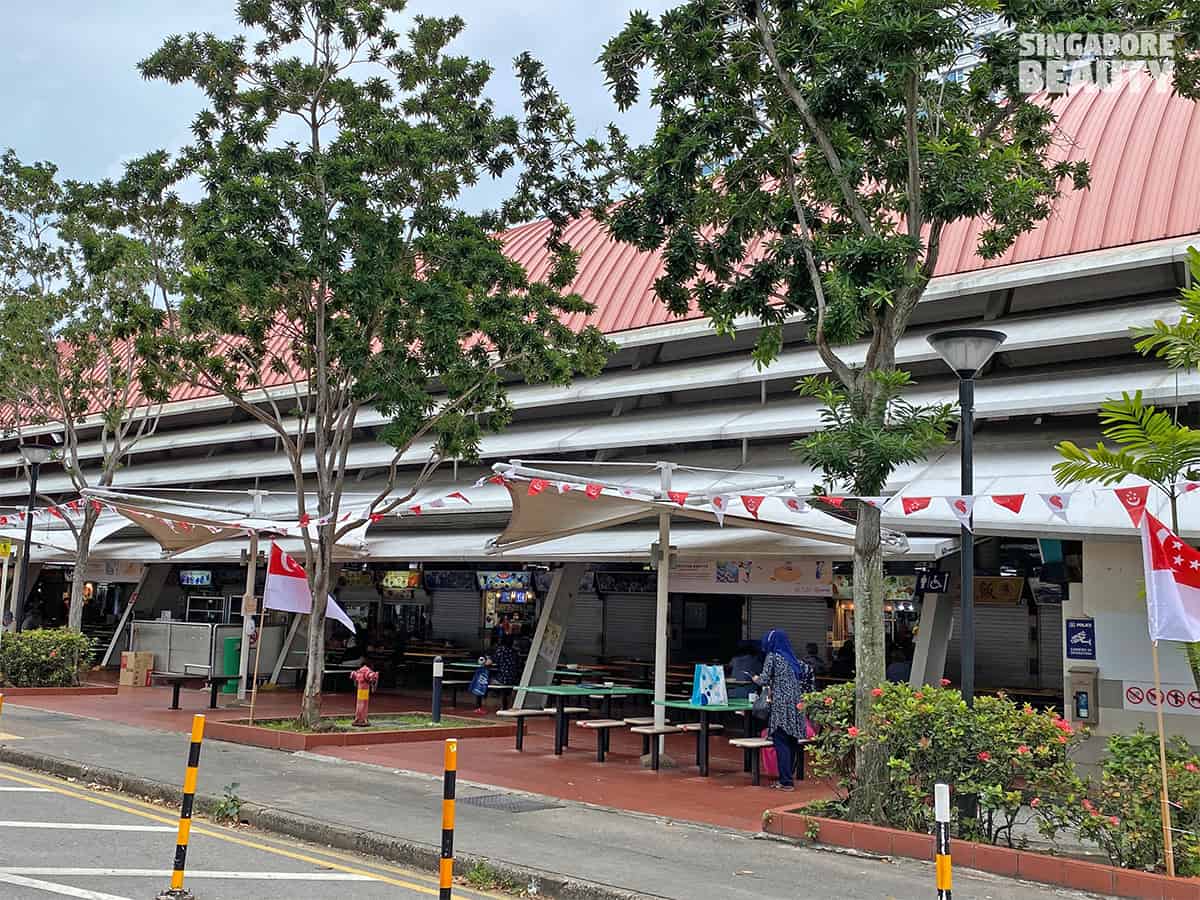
(1142, 142)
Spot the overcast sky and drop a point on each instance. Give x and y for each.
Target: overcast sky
(71, 94)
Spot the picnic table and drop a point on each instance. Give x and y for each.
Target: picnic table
(560, 693)
(176, 680)
(705, 710)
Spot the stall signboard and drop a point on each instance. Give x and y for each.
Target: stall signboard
(896, 588)
(111, 571)
(1174, 699)
(401, 580)
(449, 579)
(999, 591)
(5, 549)
(356, 578)
(785, 578)
(1081, 639)
(626, 582)
(504, 581)
(552, 642)
(195, 577)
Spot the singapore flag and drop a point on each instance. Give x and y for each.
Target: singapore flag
(287, 588)
(1172, 583)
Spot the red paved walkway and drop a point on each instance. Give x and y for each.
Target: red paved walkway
(726, 798)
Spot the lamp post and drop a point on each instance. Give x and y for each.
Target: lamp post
(34, 455)
(966, 351)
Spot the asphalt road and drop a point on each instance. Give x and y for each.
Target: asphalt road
(61, 840)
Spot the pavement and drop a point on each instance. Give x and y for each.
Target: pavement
(564, 848)
(59, 839)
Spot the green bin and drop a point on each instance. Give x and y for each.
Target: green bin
(233, 663)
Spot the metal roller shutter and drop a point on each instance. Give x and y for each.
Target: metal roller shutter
(582, 643)
(1050, 646)
(630, 625)
(1002, 647)
(803, 618)
(457, 616)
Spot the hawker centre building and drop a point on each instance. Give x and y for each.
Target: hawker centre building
(1066, 295)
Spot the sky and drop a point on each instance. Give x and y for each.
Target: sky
(71, 93)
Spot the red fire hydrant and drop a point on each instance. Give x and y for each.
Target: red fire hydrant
(366, 678)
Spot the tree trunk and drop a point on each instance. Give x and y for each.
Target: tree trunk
(870, 667)
(310, 706)
(83, 550)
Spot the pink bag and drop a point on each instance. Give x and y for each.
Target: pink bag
(770, 761)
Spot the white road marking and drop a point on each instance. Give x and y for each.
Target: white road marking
(63, 890)
(83, 826)
(191, 874)
(24, 790)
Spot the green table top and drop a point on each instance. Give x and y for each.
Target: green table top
(731, 706)
(583, 690)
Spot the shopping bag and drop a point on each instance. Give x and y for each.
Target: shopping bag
(479, 682)
(708, 686)
(769, 761)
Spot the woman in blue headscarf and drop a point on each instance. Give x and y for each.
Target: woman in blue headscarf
(786, 679)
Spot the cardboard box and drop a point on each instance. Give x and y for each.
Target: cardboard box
(136, 669)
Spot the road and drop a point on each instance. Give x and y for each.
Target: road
(59, 839)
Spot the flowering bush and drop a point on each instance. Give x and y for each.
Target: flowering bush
(998, 751)
(44, 658)
(1122, 813)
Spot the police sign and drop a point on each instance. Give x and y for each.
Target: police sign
(1081, 639)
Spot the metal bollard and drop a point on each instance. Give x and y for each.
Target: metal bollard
(1, 704)
(941, 810)
(176, 891)
(439, 669)
(446, 870)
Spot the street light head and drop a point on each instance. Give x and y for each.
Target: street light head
(36, 454)
(966, 350)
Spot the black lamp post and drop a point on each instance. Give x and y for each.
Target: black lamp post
(34, 455)
(966, 351)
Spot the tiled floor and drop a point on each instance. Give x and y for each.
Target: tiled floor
(725, 798)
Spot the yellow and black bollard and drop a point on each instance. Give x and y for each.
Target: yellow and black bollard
(1, 704)
(941, 810)
(446, 870)
(176, 891)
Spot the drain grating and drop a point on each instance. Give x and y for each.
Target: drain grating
(512, 803)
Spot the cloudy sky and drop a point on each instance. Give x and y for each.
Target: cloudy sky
(71, 93)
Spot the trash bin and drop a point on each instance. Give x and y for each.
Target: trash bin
(233, 663)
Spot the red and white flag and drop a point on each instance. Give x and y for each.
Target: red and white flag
(720, 504)
(877, 502)
(678, 497)
(1134, 501)
(1057, 504)
(833, 501)
(911, 505)
(459, 495)
(962, 508)
(1011, 502)
(795, 503)
(593, 491)
(565, 487)
(1172, 583)
(287, 588)
(752, 502)
(537, 485)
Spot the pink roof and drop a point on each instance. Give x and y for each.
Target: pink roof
(1141, 142)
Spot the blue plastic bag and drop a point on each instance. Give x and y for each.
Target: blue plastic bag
(479, 682)
(708, 686)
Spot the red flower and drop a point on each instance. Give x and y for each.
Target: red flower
(876, 692)
(1062, 738)
(1087, 804)
(800, 706)
(1022, 749)
(1027, 709)
(1064, 726)
(919, 695)
(1191, 767)
(1115, 820)
(945, 682)
(852, 731)
(984, 756)
(829, 701)
(1035, 801)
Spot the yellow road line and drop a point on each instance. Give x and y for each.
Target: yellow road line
(10, 737)
(41, 781)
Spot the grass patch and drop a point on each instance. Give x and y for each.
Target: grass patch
(388, 722)
(483, 877)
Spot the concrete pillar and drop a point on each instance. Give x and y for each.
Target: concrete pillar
(933, 636)
(552, 626)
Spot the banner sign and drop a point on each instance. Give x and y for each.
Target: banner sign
(501, 581)
(896, 588)
(112, 570)
(1175, 699)
(1081, 639)
(784, 578)
(999, 591)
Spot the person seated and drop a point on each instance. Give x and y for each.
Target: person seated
(743, 667)
(812, 656)
(843, 661)
(899, 668)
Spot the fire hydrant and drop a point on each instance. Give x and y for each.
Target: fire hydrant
(366, 678)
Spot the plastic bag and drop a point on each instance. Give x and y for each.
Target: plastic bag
(708, 686)
(770, 760)
(479, 682)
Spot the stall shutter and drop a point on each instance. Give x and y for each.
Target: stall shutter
(582, 643)
(804, 619)
(630, 625)
(1002, 647)
(1050, 646)
(457, 616)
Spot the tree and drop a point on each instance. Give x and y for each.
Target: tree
(82, 282)
(807, 161)
(329, 251)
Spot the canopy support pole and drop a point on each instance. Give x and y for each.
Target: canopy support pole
(551, 631)
(248, 610)
(286, 650)
(663, 605)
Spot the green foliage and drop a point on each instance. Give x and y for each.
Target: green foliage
(1150, 444)
(998, 751)
(44, 658)
(1178, 344)
(229, 807)
(863, 438)
(484, 877)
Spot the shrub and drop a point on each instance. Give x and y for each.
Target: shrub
(44, 658)
(998, 751)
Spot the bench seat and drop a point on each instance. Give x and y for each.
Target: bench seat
(602, 727)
